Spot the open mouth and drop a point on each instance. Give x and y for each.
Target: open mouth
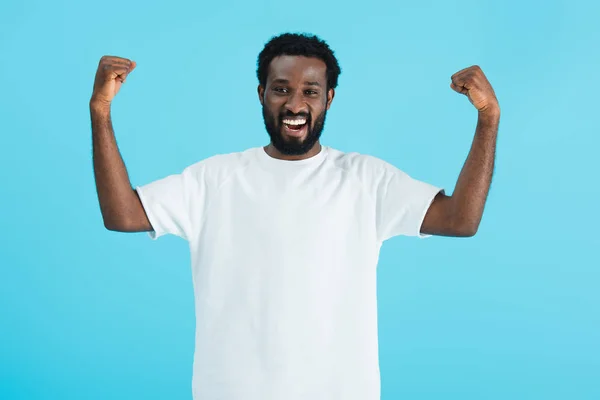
(295, 127)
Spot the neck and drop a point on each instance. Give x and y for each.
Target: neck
(273, 152)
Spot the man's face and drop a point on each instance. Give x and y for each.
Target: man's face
(295, 101)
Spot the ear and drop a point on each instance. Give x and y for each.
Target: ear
(261, 94)
(330, 96)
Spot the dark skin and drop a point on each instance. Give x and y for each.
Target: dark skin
(299, 85)
(458, 215)
(119, 203)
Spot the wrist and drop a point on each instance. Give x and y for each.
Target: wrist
(490, 113)
(99, 106)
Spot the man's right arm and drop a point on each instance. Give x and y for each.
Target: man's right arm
(120, 205)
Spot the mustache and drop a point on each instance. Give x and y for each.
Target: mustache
(289, 114)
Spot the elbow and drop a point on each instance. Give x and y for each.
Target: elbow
(111, 226)
(114, 225)
(469, 232)
(465, 229)
(123, 224)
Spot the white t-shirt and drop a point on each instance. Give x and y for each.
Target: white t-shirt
(284, 257)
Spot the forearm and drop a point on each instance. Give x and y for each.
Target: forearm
(115, 194)
(472, 187)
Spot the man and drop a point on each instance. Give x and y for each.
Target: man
(285, 238)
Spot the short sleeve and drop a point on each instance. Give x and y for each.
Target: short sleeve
(168, 203)
(402, 203)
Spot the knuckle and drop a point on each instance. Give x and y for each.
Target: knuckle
(114, 59)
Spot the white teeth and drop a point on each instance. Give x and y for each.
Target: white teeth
(294, 121)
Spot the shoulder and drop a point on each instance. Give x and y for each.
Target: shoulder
(219, 167)
(363, 166)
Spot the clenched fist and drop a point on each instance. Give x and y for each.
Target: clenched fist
(473, 83)
(111, 74)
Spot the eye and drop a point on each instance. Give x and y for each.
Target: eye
(311, 92)
(280, 90)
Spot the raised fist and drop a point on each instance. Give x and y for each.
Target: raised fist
(473, 83)
(111, 74)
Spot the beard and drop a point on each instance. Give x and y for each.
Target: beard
(293, 146)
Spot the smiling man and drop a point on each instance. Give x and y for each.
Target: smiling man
(285, 238)
(294, 92)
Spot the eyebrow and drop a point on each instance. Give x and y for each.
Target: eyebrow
(307, 83)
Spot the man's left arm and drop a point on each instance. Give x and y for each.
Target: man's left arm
(460, 214)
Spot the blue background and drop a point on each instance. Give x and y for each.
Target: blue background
(509, 314)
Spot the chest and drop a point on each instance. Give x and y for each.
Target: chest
(304, 210)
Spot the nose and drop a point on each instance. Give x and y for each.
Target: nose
(295, 103)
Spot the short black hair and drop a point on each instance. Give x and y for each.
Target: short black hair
(298, 44)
